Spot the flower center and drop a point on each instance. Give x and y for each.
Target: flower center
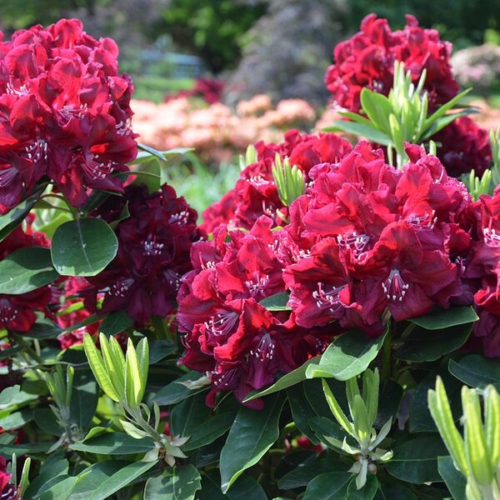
(491, 238)
(394, 287)
(7, 312)
(328, 297)
(222, 323)
(180, 218)
(120, 288)
(257, 284)
(7, 176)
(37, 151)
(265, 349)
(427, 220)
(354, 241)
(96, 170)
(151, 247)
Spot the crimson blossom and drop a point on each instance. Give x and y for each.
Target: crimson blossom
(17, 312)
(228, 333)
(7, 489)
(65, 113)
(367, 60)
(153, 254)
(255, 193)
(385, 242)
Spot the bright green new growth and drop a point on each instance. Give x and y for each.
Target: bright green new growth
(401, 117)
(289, 180)
(249, 158)
(124, 379)
(363, 409)
(495, 150)
(477, 454)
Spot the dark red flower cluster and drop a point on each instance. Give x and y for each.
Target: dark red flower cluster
(365, 243)
(153, 255)
(228, 332)
(483, 270)
(64, 113)
(17, 312)
(255, 193)
(463, 146)
(367, 60)
(7, 489)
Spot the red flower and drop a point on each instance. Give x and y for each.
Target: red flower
(7, 489)
(17, 312)
(153, 255)
(228, 333)
(65, 113)
(255, 193)
(367, 60)
(464, 146)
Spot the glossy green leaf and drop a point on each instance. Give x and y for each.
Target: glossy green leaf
(245, 487)
(294, 377)
(43, 329)
(114, 443)
(415, 460)
(444, 121)
(420, 417)
(121, 479)
(446, 318)
(476, 371)
(24, 449)
(8, 395)
(25, 270)
(180, 484)
(116, 322)
(83, 247)
(177, 391)
(393, 491)
(61, 490)
(14, 217)
(277, 302)
(429, 345)
(302, 411)
(367, 492)
(377, 107)
(453, 479)
(347, 356)
(161, 349)
(251, 435)
(84, 399)
(189, 415)
(134, 384)
(328, 486)
(300, 477)
(94, 476)
(361, 130)
(325, 428)
(209, 431)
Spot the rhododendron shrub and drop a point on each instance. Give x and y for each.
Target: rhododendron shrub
(283, 347)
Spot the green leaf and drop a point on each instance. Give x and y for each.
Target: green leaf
(43, 329)
(24, 449)
(302, 411)
(420, 416)
(442, 110)
(209, 431)
(294, 377)
(176, 391)
(245, 487)
(347, 356)
(326, 428)
(300, 477)
(25, 270)
(116, 322)
(446, 318)
(8, 395)
(14, 217)
(188, 415)
(367, 492)
(394, 491)
(121, 479)
(182, 484)
(453, 479)
(444, 121)
(94, 476)
(276, 302)
(476, 371)
(134, 383)
(115, 443)
(61, 490)
(361, 130)
(44, 418)
(160, 349)
(328, 486)
(429, 345)
(83, 399)
(251, 435)
(415, 460)
(83, 247)
(377, 107)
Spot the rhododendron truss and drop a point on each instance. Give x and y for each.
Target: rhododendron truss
(145, 356)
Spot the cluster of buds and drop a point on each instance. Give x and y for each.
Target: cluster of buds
(477, 454)
(123, 378)
(363, 408)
